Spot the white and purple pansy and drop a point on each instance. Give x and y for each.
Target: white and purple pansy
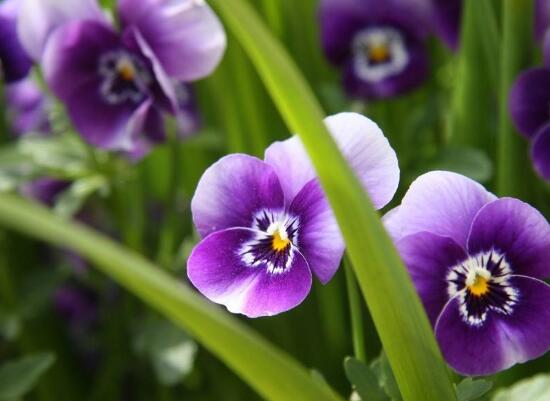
(117, 83)
(267, 226)
(478, 263)
(379, 45)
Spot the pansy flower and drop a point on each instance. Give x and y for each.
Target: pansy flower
(447, 16)
(45, 190)
(477, 262)
(15, 64)
(267, 226)
(379, 45)
(28, 107)
(117, 83)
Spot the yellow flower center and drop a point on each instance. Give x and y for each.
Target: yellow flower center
(126, 70)
(379, 53)
(480, 286)
(279, 242)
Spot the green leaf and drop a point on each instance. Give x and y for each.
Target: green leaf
(382, 369)
(168, 348)
(364, 380)
(397, 312)
(533, 389)
(273, 373)
(19, 377)
(71, 200)
(471, 162)
(472, 390)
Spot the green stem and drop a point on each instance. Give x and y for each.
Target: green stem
(512, 156)
(357, 330)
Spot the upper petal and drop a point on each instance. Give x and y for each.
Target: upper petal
(529, 99)
(232, 190)
(447, 19)
(185, 35)
(319, 238)
(362, 143)
(517, 230)
(15, 64)
(428, 258)
(540, 152)
(217, 270)
(39, 18)
(442, 203)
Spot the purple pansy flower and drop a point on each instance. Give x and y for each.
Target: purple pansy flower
(478, 263)
(447, 15)
(116, 84)
(45, 190)
(529, 105)
(27, 107)
(267, 226)
(380, 45)
(15, 64)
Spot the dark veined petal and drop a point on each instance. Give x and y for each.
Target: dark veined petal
(428, 258)
(412, 75)
(232, 190)
(540, 152)
(39, 18)
(447, 20)
(442, 203)
(217, 269)
(517, 230)
(363, 144)
(186, 36)
(504, 339)
(529, 99)
(319, 238)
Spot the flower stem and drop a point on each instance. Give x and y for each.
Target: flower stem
(355, 312)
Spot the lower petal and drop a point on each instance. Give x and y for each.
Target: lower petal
(218, 271)
(540, 151)
(319, 237)
(428, 258)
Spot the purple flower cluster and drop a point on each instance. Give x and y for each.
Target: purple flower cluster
(267, 225)
(379, 45)
(529, 100)
(478, 263)
(118, 83)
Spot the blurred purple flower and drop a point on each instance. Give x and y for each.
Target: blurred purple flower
(15, 64)
(28, 107)
(266, 224)
(76, 305)
(529, 105)
(447, 15)
(117, 85)
(45, 190)
(542, 18)
(380, 45)
(477, 263)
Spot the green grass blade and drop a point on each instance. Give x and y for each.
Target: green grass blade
(395, 307)
(275, 375)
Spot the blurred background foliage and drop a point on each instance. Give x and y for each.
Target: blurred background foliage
(109, 346)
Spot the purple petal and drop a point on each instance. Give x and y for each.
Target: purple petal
(39, 18)
(45, 190)
(442, 203)
(340, 20)
(546, 48)
(529, 99)
(392, 223)
(232, 190)
(15, 64)
(428, 258)
(502, 340)
(186, 36)
(540, 152)
(28, 107)
(217, 270)
(319, 238)
(518, 231)
(411, 77)
(70, 66)
(542, 18)
(447, 20)
(362, 143)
